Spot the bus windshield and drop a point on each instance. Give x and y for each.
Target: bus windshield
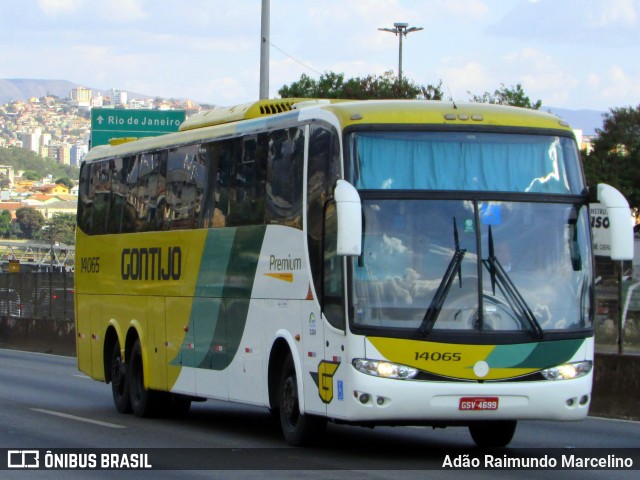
(465, 161)
(469, 262)
(502, 274)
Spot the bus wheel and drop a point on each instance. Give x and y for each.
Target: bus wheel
(144, 402)
(119, 381)
(493, 434)
(298, 429)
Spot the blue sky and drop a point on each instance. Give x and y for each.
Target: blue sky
(575, 54)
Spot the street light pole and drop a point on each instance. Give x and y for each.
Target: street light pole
(264, 49)
(400, 29)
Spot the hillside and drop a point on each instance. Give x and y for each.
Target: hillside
(12, 89)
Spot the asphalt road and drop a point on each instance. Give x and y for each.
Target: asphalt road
(46, 404)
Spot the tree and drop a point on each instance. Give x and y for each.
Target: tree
(66, 181)
(513, 96)
(31, 175)
(60, 228)
(30, 220)
(334, 85)
(5, 222)
(615, 155)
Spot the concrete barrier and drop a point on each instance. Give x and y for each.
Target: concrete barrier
(616, 387)
(44, 335)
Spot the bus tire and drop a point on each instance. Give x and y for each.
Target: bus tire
(119, 381)
(493, 434)
(144, 402)
(298, 429)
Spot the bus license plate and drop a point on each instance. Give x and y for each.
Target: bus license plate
(478, 403)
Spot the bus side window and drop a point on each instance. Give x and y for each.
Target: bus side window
(100, 190)
(247, 190)
(333, 286)
(116, 202)
(181, 187)
(210, 151)
(130, 178)
(284, 177)
(224, 173)
(322, 174)
(86, 193)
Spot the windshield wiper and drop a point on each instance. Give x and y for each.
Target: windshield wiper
(508, 288)
(454, 267)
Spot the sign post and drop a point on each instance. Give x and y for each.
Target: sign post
(109, 123)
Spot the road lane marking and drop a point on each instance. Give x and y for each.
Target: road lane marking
(79, 419)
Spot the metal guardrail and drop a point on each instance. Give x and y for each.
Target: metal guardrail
(37, 295)
(35, 256)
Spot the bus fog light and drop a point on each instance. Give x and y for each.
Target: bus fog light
(568, 371)
(380, 401)
(384, 369)
(584, 400)
(570, 402)
(364, 398)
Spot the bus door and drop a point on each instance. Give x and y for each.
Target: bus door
(335, 363)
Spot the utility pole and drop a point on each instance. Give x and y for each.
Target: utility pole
(400, 29)
(264, 50)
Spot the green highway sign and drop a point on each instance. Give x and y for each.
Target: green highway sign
(108, 123)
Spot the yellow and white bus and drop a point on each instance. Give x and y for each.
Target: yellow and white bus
(360, 262)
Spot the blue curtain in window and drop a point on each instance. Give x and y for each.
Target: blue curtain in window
(415, 161)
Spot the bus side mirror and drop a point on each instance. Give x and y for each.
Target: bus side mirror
(620, 223)
(349, 210)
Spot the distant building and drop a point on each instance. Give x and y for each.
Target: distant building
(7, 170)
(97, 101)
(119, 97)
(31, 141)
(81, 96)
(77, 154)
(60, 153)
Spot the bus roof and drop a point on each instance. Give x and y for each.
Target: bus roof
(224, 122)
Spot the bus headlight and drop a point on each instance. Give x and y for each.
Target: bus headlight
(568, 371)
(384, 369)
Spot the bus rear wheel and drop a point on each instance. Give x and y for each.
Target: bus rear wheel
(119, 381)
(493, 434)
(298, 429)
(144, 402)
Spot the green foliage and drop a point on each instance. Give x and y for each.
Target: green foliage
(21, 159)
(60, 228)
(66, 181)
(30, 221)
(334, 85)
(615, 155)
(513, 96)
(5, 222)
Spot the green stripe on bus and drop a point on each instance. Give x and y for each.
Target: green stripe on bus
(222, 296)
(534, 355)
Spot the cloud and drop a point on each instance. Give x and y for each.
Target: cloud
(56, 7)
(470, 77)
(613, 13)
(124, 10)
(620, 86)
(612, 22)
(111, 11)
